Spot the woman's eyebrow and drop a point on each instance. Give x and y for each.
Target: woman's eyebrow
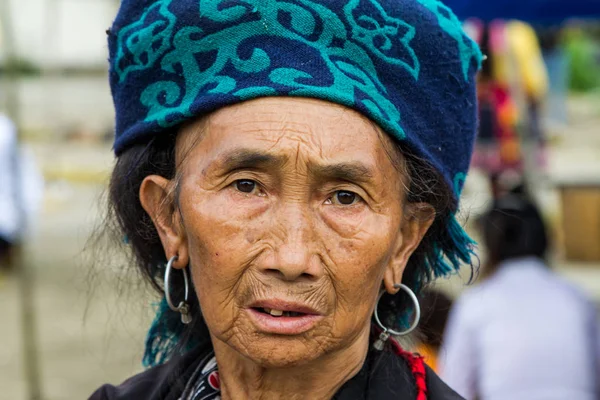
(253, 159)
(345, 171)
(248, 159)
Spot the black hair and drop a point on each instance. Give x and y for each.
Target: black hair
(158, 157)
(513, 228)
(435, 308)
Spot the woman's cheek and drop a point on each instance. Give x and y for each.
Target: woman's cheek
(358, 229)
(229, 204)
(216, 225)
(359, 262)
(347, 222)
(359, 251)
(216, 270)
(247, 205)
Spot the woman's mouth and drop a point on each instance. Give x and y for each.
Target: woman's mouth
(283, 318)
(279, 313)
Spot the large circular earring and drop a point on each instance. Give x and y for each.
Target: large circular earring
(183, 307)
(386, 332)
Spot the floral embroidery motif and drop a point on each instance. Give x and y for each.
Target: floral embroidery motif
(382, 34)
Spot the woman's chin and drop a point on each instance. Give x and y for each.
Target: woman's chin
(277, 342)
(283, 351)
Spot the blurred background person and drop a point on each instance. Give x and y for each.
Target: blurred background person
(512, 88)
(21, 187)
(9, 223)
(529, 86)
(523, 333)
(497, 149)
(557, 65)
(435, 307)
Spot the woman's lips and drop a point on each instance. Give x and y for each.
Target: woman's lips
(282, 317)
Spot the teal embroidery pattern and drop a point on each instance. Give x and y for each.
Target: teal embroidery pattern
(367, 28)
(398, 62)
(146, 41)
(350, 64)
(449, 22)
(459, 182)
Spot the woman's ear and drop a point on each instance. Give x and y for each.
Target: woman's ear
(156, 196)
(417, 219)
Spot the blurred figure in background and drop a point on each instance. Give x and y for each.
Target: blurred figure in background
(497, 150)
(557, 64)
(435, 307)
(512, 88)
(21, 190)
(9, 218)
(528, 80)
(523, 333)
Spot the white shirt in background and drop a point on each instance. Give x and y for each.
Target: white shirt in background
(30, 184)
(523, 334)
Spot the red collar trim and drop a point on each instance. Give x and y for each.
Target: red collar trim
(417, 367)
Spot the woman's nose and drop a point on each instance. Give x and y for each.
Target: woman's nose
(294, 253)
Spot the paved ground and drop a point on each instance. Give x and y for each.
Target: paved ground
(91, 313)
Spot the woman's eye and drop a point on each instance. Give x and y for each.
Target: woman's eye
(245, 186)
(345, 198)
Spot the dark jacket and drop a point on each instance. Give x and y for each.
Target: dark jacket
(384, 376)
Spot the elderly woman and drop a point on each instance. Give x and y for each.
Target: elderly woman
(287, 178)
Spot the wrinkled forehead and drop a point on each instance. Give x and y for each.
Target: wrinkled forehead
(325, 130)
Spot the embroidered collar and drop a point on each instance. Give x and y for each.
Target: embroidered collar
(383, 376)
(204, 383)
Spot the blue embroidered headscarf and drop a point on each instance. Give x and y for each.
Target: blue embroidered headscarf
(405, 64)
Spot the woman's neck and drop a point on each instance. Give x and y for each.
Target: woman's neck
(319, 379)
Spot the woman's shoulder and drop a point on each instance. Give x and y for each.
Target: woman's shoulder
(437, 389)
(427, 383)
(164, 382)
(404, 372)
(145, 385)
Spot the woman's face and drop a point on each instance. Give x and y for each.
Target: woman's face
(290, 213)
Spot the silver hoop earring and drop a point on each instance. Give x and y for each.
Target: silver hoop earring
(385, 334)
(183, 307)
